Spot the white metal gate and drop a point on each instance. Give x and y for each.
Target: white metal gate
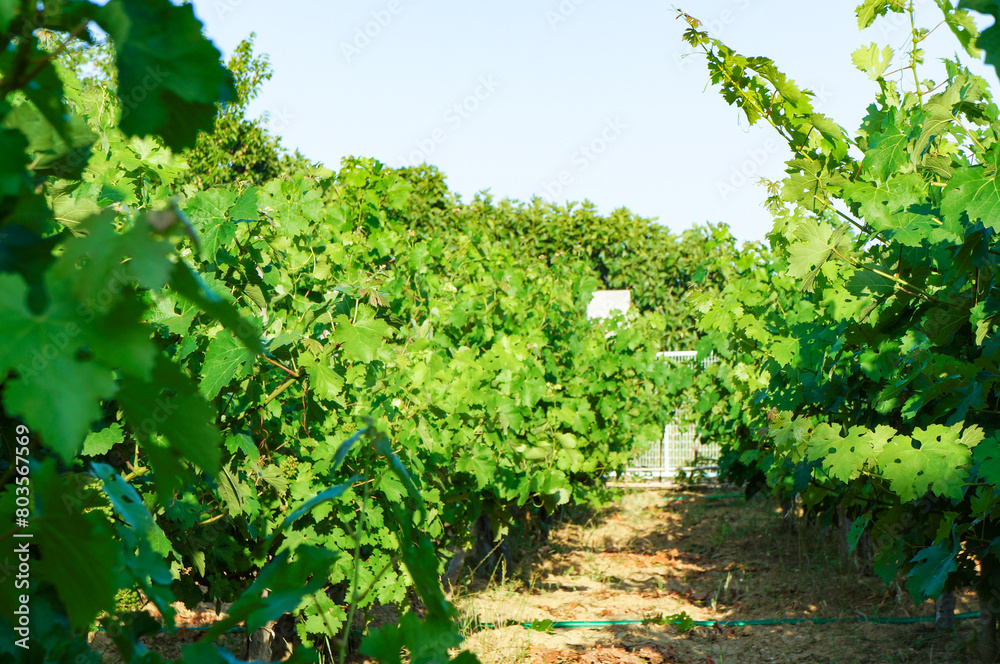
(680, 446)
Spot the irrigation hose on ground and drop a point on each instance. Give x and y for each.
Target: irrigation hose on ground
(570, 624)
(708, 495)
(585, 624)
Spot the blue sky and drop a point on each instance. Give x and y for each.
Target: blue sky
(562, 99)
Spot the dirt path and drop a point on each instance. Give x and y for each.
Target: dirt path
(652, 554)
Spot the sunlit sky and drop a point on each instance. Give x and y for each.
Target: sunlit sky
(561, 99)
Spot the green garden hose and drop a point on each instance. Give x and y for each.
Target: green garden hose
(570, 624)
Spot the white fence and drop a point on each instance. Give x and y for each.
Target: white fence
(675, 453)
(680, 446)
(688, 356)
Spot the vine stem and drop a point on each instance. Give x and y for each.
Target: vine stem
(281, 366)
(904, 285)
(138, 472)
(278, 390)
(710, 54)
(211, 520)
(359, 533)
(913, 54)
(861, 227)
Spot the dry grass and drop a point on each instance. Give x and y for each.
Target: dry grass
(502, 645)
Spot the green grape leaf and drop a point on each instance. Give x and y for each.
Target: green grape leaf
(904, 466)
(815, 244)
(854, 533)
(390, 485)
(886, 152)
(869, 10)
(84, 556)
(880, 437)
(47, 96)
(845, 456)
(479, 463)
(275, 478)
(963, 26)
(869, 283)
(362, 338)
(940, 324)
(233, 491)
(789, 432)
(225, 359)
(288, 578)
(169, 76)
(128, 504)
(295, 204)
(939, 464)
(208, 213)
(972, 190)
(785, 350)
(948, 457)
(986, 456)
(808, 188)
(327, 383)
(897, 208)
(101, 442)
(59, 152)
(872, 61)
(170, 406)
(332, 493)
(889, 559)
(56, 393)
(186, 282)
(989, 39)
(244, 443)
(385, 644)
(972, 436)
(245, 207)
(113, 260)
(928, 576)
